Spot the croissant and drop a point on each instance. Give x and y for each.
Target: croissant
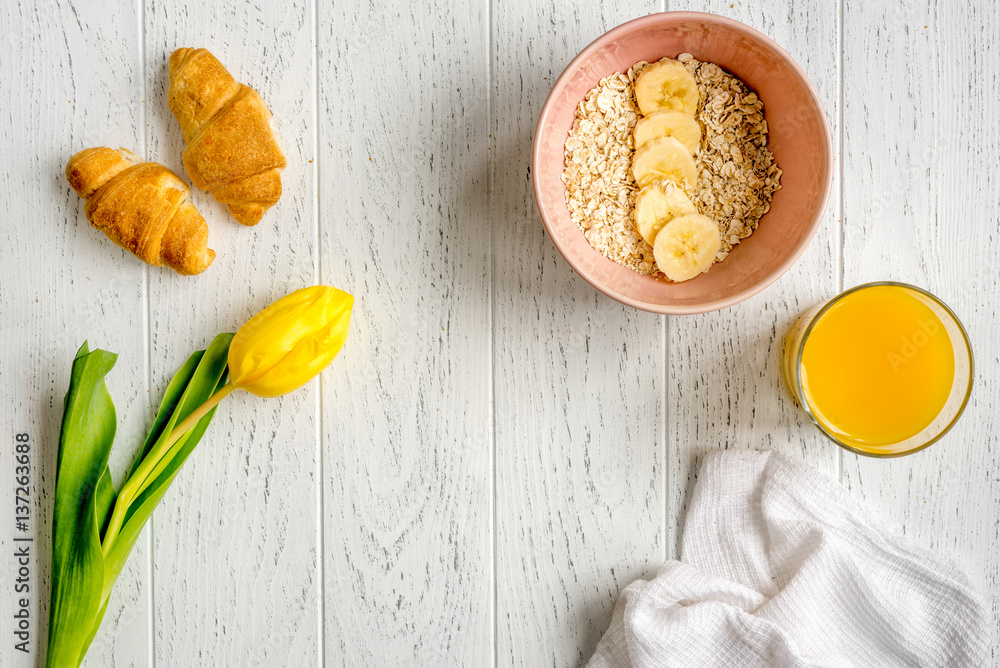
(232, 149)
(143, 207)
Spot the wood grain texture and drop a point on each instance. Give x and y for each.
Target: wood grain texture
(406, 409)
(235, 541)
(579, 394)
(499, 449)
(63, 282)
(920, 182)
(725, 388)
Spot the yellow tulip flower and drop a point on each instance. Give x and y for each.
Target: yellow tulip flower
(288, 343)
(278, 350)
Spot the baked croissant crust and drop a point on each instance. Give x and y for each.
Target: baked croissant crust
(232, 147)
(143, 207)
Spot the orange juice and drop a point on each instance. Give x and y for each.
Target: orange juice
(877, 367)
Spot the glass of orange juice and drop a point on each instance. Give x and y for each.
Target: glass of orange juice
(883, 369)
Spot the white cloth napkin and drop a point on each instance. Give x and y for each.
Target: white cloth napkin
(780, 566)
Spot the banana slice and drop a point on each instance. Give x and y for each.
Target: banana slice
(686, 246)
(682, 127)
(664, 159)
(666, 85)
(656, 205)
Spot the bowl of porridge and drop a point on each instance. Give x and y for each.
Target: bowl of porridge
(682, 163)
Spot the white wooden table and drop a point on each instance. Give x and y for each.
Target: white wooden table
(499, 449)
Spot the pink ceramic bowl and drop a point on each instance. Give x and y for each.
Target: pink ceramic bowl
(799, 137)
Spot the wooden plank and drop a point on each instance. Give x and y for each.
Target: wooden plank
(578, 383)
(71, 77)
(236, 561)
(920, 184)
(406, 409)
(725, 388)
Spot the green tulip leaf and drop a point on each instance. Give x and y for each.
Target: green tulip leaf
(207, 377)
(105, 500)
(203, 383)
(171, 396)
(93, 631)
(81, 503)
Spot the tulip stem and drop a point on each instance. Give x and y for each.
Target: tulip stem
(188, 423)
(138, 482)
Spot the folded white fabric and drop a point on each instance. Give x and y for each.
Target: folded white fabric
(780, 566)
